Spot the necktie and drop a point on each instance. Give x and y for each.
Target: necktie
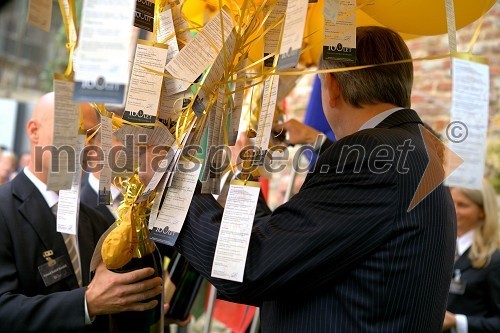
(71, 245)
(456, 252)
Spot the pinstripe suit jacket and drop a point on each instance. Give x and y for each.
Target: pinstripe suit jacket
(344, 254)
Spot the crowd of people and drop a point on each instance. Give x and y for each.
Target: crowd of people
(347, 253)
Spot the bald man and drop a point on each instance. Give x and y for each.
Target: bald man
(39, 290)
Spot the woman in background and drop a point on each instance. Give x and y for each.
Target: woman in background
(474, 299)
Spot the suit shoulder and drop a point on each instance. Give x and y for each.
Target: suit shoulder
(92, 214)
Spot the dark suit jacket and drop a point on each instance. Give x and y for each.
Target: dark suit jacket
(344, 254)
(89, 197)
(481, 300)
(27, 229)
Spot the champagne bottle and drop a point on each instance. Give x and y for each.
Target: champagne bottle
(181, 285)
(146, 255)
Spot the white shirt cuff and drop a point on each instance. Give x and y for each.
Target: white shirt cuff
(462, 324)
(88, 320)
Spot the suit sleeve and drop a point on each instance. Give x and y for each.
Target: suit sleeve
(490, 324)
(57, 312)
(316, 237)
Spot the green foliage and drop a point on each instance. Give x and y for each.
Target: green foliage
(493, 163)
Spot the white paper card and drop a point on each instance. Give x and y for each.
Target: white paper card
(340, 37)
(331, 10)
(271, 38)
(144, 92)
(469, 122)
(63, 162)
(234, 234)
(106, 133)
(195, 57)
(176, 203)
(69, 200)
(159, 135)
(293, 31)
(267, 111)
(166, 34)
(103, 49)
(181, 27)
(40, 14)
(238, 102)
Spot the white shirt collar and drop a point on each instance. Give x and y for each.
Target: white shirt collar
(94, 184)
(50, 197)
(464, 242)
(372, 122)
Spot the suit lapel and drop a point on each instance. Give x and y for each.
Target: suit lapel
(36, 212)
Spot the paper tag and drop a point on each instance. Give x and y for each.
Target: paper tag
(40, 14)
(144, 92)
(159, 135)
(214, 75)
(452, 27)
(195, 57)
(63, 162)
(106, 133)
(103, 49)
(157, 201)
(171, 106)
(271, 38)
(159, 173)
(166, 34)
(467, 131)
(55, 270)
(267, 111)
(69, 200)
(235, 229)
(176, 203)
(181, 27)
(293, 31)
(340, 37)
(331, 10)
(238, 102)
(144, 14)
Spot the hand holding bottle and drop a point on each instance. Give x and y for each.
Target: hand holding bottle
(111, 292)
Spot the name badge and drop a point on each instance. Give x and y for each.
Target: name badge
(55, 270)
(457, 286)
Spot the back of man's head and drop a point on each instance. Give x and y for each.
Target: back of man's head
(378, 84)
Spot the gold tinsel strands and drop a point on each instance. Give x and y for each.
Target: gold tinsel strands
(130, 238)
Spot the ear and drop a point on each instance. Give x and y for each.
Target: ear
(333, 90)
(32, 130)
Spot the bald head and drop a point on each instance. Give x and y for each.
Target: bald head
(40, 133)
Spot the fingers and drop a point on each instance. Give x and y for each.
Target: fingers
(141, 286)
(136, 275)
(134, 294)
(142, 306)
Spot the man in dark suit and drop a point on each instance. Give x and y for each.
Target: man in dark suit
(40, 289)
(346, 253)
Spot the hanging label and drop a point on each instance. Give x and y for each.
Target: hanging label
(68, 205)
(238, 102)
(145, 87)
(103, 49)
(144, 14)
(106, 133)
(293, 31)
(176, 203)
(267, 111)
(235, 230)
(271, 38)
(40, 14)
(193, 59)
(63, 154)
(340, 37)
(468, 128)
